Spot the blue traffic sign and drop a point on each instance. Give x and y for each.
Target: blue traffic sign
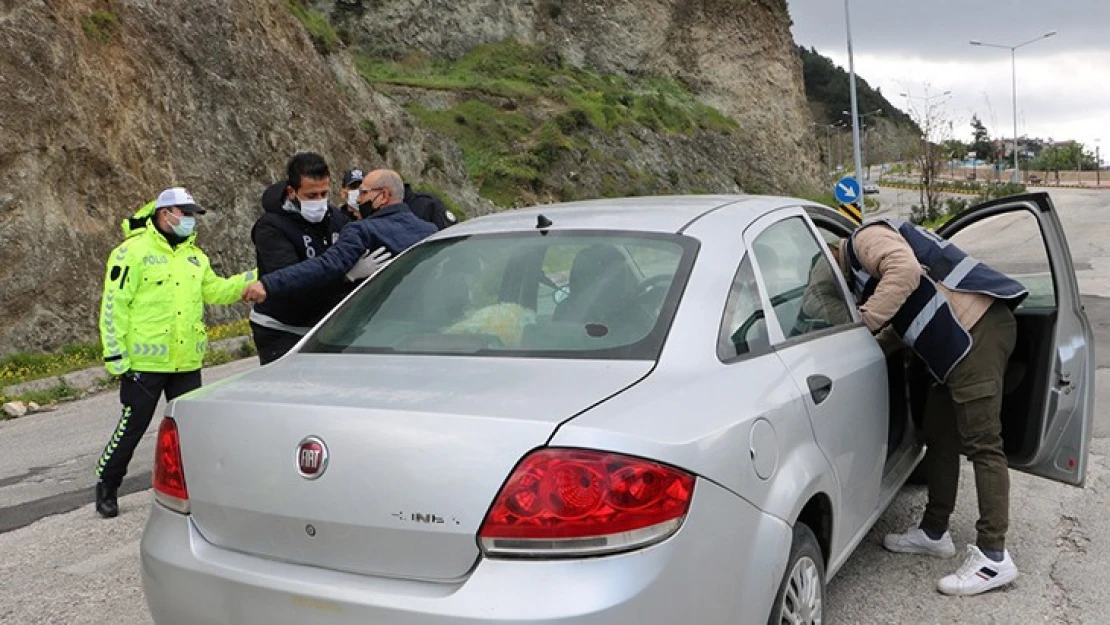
(847, 190)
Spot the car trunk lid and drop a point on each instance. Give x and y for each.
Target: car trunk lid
(417, 448)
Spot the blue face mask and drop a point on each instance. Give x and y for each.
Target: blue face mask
(185, 226)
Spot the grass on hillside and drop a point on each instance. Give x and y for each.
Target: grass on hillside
(25, 366)
(506, 150)
(324, 37)
(100, 25)
(64, 392)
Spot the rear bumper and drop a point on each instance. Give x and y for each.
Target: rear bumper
(723, 566)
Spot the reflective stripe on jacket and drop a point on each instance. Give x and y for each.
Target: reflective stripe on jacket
(925, 321)
(152, 308)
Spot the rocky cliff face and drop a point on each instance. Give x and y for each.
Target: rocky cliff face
(737, 55)
(105, 102)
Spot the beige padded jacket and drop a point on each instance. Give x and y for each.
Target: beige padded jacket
(887, 256)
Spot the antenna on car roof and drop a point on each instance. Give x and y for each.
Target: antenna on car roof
(542, 224)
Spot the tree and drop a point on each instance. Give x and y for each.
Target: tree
(1066, 156)
(827, 85)
(955, 149)
(981, 142)
(931, 116)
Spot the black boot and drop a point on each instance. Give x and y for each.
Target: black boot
(106, 503)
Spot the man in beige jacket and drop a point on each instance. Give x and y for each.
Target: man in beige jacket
(955, 313)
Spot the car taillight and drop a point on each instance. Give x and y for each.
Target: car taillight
(169, 474)
(572, 502)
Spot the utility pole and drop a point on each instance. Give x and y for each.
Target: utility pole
(855, 103)
(863, 145)
(828, 147)
(1098, 165)
(1079, 166)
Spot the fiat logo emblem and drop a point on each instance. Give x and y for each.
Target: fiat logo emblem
(311, 458)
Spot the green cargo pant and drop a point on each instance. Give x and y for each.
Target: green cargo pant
(965, 415)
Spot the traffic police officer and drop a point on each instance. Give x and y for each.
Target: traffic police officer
(152, 322)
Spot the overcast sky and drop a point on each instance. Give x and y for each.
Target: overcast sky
(1063, 82)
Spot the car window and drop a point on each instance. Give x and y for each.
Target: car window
(801, 284)
(1020, 253)
(743, 328)
(830, 236)
(573, 295)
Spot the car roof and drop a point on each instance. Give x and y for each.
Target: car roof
(664, 214)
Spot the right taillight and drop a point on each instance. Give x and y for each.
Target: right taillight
(169, 473)
(573, 502)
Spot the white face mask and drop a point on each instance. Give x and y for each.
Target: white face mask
(313, 211)
(185, 226)
(352, 199)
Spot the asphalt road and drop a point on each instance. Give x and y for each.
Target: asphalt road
(60, 563)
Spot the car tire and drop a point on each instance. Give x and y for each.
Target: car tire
(801, 596)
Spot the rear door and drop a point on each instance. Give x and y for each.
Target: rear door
(1048, 403)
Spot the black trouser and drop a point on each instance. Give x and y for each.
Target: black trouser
(272, 344)
(139, 397)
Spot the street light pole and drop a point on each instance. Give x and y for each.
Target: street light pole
(855, 104)
(828, 147)
(1013, 75)
(863, 145)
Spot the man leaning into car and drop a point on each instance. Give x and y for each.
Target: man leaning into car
(956, 314)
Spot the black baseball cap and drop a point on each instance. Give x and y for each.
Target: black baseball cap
(352, 176)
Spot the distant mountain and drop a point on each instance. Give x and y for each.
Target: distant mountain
(828, 91)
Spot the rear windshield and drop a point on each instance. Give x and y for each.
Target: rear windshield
(559, 295)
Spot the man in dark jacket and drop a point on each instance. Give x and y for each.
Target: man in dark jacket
(387, 224)
(297, 224)
(429, 208)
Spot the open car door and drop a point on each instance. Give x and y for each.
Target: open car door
(1048, 401)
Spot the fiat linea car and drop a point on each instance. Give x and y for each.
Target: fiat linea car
(608, 412)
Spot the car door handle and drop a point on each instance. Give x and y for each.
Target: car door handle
(820, 387)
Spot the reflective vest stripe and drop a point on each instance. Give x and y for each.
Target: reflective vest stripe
(959, 272)
(924, 316)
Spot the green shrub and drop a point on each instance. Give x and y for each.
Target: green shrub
(100, 25)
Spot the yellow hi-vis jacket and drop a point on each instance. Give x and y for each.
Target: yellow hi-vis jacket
(152, 309)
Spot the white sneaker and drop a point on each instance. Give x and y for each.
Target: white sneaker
(978, 574)
(916, 541)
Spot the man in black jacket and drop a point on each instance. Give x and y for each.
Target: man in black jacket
(386, 229)
(298, 223)
(429, 208)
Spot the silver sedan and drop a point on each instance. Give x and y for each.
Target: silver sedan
(649, 410)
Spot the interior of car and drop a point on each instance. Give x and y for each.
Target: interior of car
(570, 293)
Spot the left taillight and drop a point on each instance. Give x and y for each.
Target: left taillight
(566, 503)
(169, 473)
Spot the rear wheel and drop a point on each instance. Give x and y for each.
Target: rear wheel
(801, 597)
